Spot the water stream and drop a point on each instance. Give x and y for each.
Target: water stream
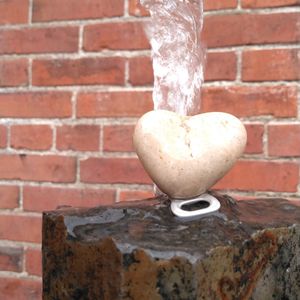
(178, 56)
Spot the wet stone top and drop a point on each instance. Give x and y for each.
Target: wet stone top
(152, 226)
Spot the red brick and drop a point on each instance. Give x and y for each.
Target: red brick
(36, 105)
(14, 11)
(13, 72)
(9, 196)
(135, 195)
(118, 138)
(115, 36)
(3, 136)
(11, 259)
(136, 9)
(33, 261)
(78, 71)
(32, 137)
(51, 10)
(280, 101)
(268, 3)
(79, 137)
(261, 176)
(284, 140)
(113, 104)
(21, 228)
(49, 198)
(254, 138)
(20, 289)
(249, 29)
(267, 65)
(140, 71)
(38, 168)
(112, 170)
(219, 4)
(39, 40)
(220, 66)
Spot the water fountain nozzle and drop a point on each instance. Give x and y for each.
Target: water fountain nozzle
(177, 206)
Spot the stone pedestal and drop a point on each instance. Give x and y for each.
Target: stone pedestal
(249, 250)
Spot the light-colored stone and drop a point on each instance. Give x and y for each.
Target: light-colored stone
(185, 156)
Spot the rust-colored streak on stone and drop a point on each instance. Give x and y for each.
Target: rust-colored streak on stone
(255, 257)
(227, 287)
(140, 278)
(234, 272)
(249, 262)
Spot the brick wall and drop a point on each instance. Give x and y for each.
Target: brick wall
(76, 74)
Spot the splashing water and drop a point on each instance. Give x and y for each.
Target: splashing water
(178, 57)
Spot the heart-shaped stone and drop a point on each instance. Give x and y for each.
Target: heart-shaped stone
(185, 156)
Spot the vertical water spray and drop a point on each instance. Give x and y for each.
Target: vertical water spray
(178, 56)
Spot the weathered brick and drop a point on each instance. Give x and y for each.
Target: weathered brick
(14, 11)
(79, 137)
(261, 176)
(113, 104)
(38, 168)
(249, 29)
(136, 9)
(9, 196)
(112, 170)
(11, 259)
(39, 40)
(279, 101)
(3, 136)
(135, 195)
(36, 105)
(78, 71)
(115, 36)
(32, 137)
(140, 71)
(219, 4)
(20, 289)
(20, 228)
(13, 72)
(268, 3)
(220, 66)
(49, 198)
(118, 138)
(254, 138)
(33, 261)
(269, 65)
(51, 10)
(284, 139)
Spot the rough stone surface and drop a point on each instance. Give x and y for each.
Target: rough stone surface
(248, 250)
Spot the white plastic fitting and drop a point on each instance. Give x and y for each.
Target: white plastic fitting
(176, 206)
